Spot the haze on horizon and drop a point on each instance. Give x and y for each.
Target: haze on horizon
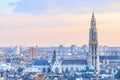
(55, 22)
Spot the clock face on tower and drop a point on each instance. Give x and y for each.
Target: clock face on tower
(94, 42)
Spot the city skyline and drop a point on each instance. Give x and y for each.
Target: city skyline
(26, 22)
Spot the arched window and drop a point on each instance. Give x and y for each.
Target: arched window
(44, 70)
(66, 70)
(56, 70)
(71, 69)
(63, 70)
(77, 69)
(48, 70)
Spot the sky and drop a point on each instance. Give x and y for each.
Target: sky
(55, 22)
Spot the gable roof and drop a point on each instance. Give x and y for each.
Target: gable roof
(41, 62)
(74, 62)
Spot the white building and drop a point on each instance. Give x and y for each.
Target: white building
(60, 66)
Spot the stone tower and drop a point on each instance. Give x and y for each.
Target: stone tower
(93, 59)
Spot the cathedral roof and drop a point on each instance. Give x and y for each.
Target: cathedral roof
(74, 62)
(41, 62)
(109, 57)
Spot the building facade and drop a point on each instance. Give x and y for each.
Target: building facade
(60, 66)
(32, 53)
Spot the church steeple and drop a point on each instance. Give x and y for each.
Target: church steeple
(54, 55)
(93, 15)
(93, 21)
(93, 44)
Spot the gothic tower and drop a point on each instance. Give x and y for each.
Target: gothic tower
(93, 44)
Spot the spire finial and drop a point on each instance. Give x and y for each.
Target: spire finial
(93, 14)
(54, 54)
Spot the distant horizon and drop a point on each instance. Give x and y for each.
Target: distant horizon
(52, 45)
(51, 23)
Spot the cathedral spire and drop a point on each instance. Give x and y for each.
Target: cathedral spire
(93, 15)
(93, 21)
(93, 44)
(54, 55)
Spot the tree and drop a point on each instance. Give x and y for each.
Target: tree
(87, 68)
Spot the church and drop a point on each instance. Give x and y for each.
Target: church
(93, 57)
(66, 65)
(60, 66)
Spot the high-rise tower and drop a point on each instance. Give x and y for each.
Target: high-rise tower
(32, 53)
(93, 44)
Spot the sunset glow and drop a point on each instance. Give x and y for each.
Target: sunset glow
(62, 23)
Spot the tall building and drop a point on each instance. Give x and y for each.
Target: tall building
(17, 49)
(73, 49)
(93, 45)
(32, 53)
(61, 50)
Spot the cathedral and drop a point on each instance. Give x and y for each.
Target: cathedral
(60, 66)
(67, 65)
(93, 58)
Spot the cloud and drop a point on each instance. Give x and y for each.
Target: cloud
(7, 6)
(59, 20)
(28, 20)
(32, 6)
(66, 6)
(58, 6)
(115, 6)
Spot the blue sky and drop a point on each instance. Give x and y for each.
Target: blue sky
(54, 22)
(44, 6)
